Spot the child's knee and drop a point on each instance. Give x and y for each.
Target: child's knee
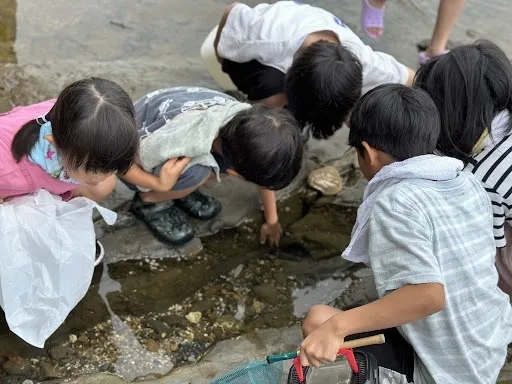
(317, 315)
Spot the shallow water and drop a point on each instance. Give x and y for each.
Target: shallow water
(136, 318)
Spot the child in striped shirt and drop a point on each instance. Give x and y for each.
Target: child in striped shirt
(425, 228)
(472, 87)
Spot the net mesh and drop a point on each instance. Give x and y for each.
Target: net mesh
(256, 373)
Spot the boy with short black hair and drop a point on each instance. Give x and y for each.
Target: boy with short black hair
(425, 229)
(327, 67)
(213, 133)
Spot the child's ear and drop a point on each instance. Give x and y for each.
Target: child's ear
(369, 154)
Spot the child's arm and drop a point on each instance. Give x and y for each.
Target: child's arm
(168, 177)
(404, 305)
(270, 230)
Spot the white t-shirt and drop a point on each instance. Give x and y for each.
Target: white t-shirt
(272, 34)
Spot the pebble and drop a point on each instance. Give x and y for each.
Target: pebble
(267, 293)
(17, 368)
(173, 347)
(158, 326)
(152, 345)
(107, 367)
(237, 271)
(83, 338)
(48, 371)
(250, 311)
(258, 306)
(176, 321)
(326, 180)
(228, 322)
(201, 306)
(194, 317)
(73, 338)
(60, 353)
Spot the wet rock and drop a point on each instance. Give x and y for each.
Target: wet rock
(106, 367)
(229, 323)
(158, 326)
(48, 371)
(327, 180)
(250, 311)
(83, 338)
(237, 271)
(60, 353)
(194, 317)
(152, 346)
(323, 233)
(176, 321)
(18, 367)
(12, 380)
(202, 306)
(281, 278)
(267, 293)
(258, 306)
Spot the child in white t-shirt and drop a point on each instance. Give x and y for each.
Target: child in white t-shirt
(304, 57)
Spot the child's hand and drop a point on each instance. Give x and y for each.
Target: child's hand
(270, 233)
(321, 346)
(171, 172)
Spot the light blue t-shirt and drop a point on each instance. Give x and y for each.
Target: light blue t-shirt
(424, 231)
(45, 155)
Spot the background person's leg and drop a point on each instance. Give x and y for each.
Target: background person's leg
(447, 14)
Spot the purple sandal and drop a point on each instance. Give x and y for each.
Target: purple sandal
(372, 17)
(423, 58)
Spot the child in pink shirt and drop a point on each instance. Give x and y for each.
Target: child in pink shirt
(72, 146)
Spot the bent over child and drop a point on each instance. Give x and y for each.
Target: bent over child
(472, 88)
(425, 229)
(295, 54)
(204, 132)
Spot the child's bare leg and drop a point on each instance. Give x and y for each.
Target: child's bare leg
(446, 16)
(317, 315)
(99, 192)
(158, 197)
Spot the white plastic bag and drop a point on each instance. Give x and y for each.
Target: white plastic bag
(47, 251)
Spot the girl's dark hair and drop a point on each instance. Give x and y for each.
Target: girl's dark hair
(93, 126)
(470, 85)
(398, 120)
(264, 146)
(322, 86)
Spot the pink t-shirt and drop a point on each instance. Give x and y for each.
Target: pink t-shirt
(25, 177)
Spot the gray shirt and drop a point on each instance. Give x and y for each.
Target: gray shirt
(424, 231)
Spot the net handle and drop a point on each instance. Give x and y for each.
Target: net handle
(364, 341)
